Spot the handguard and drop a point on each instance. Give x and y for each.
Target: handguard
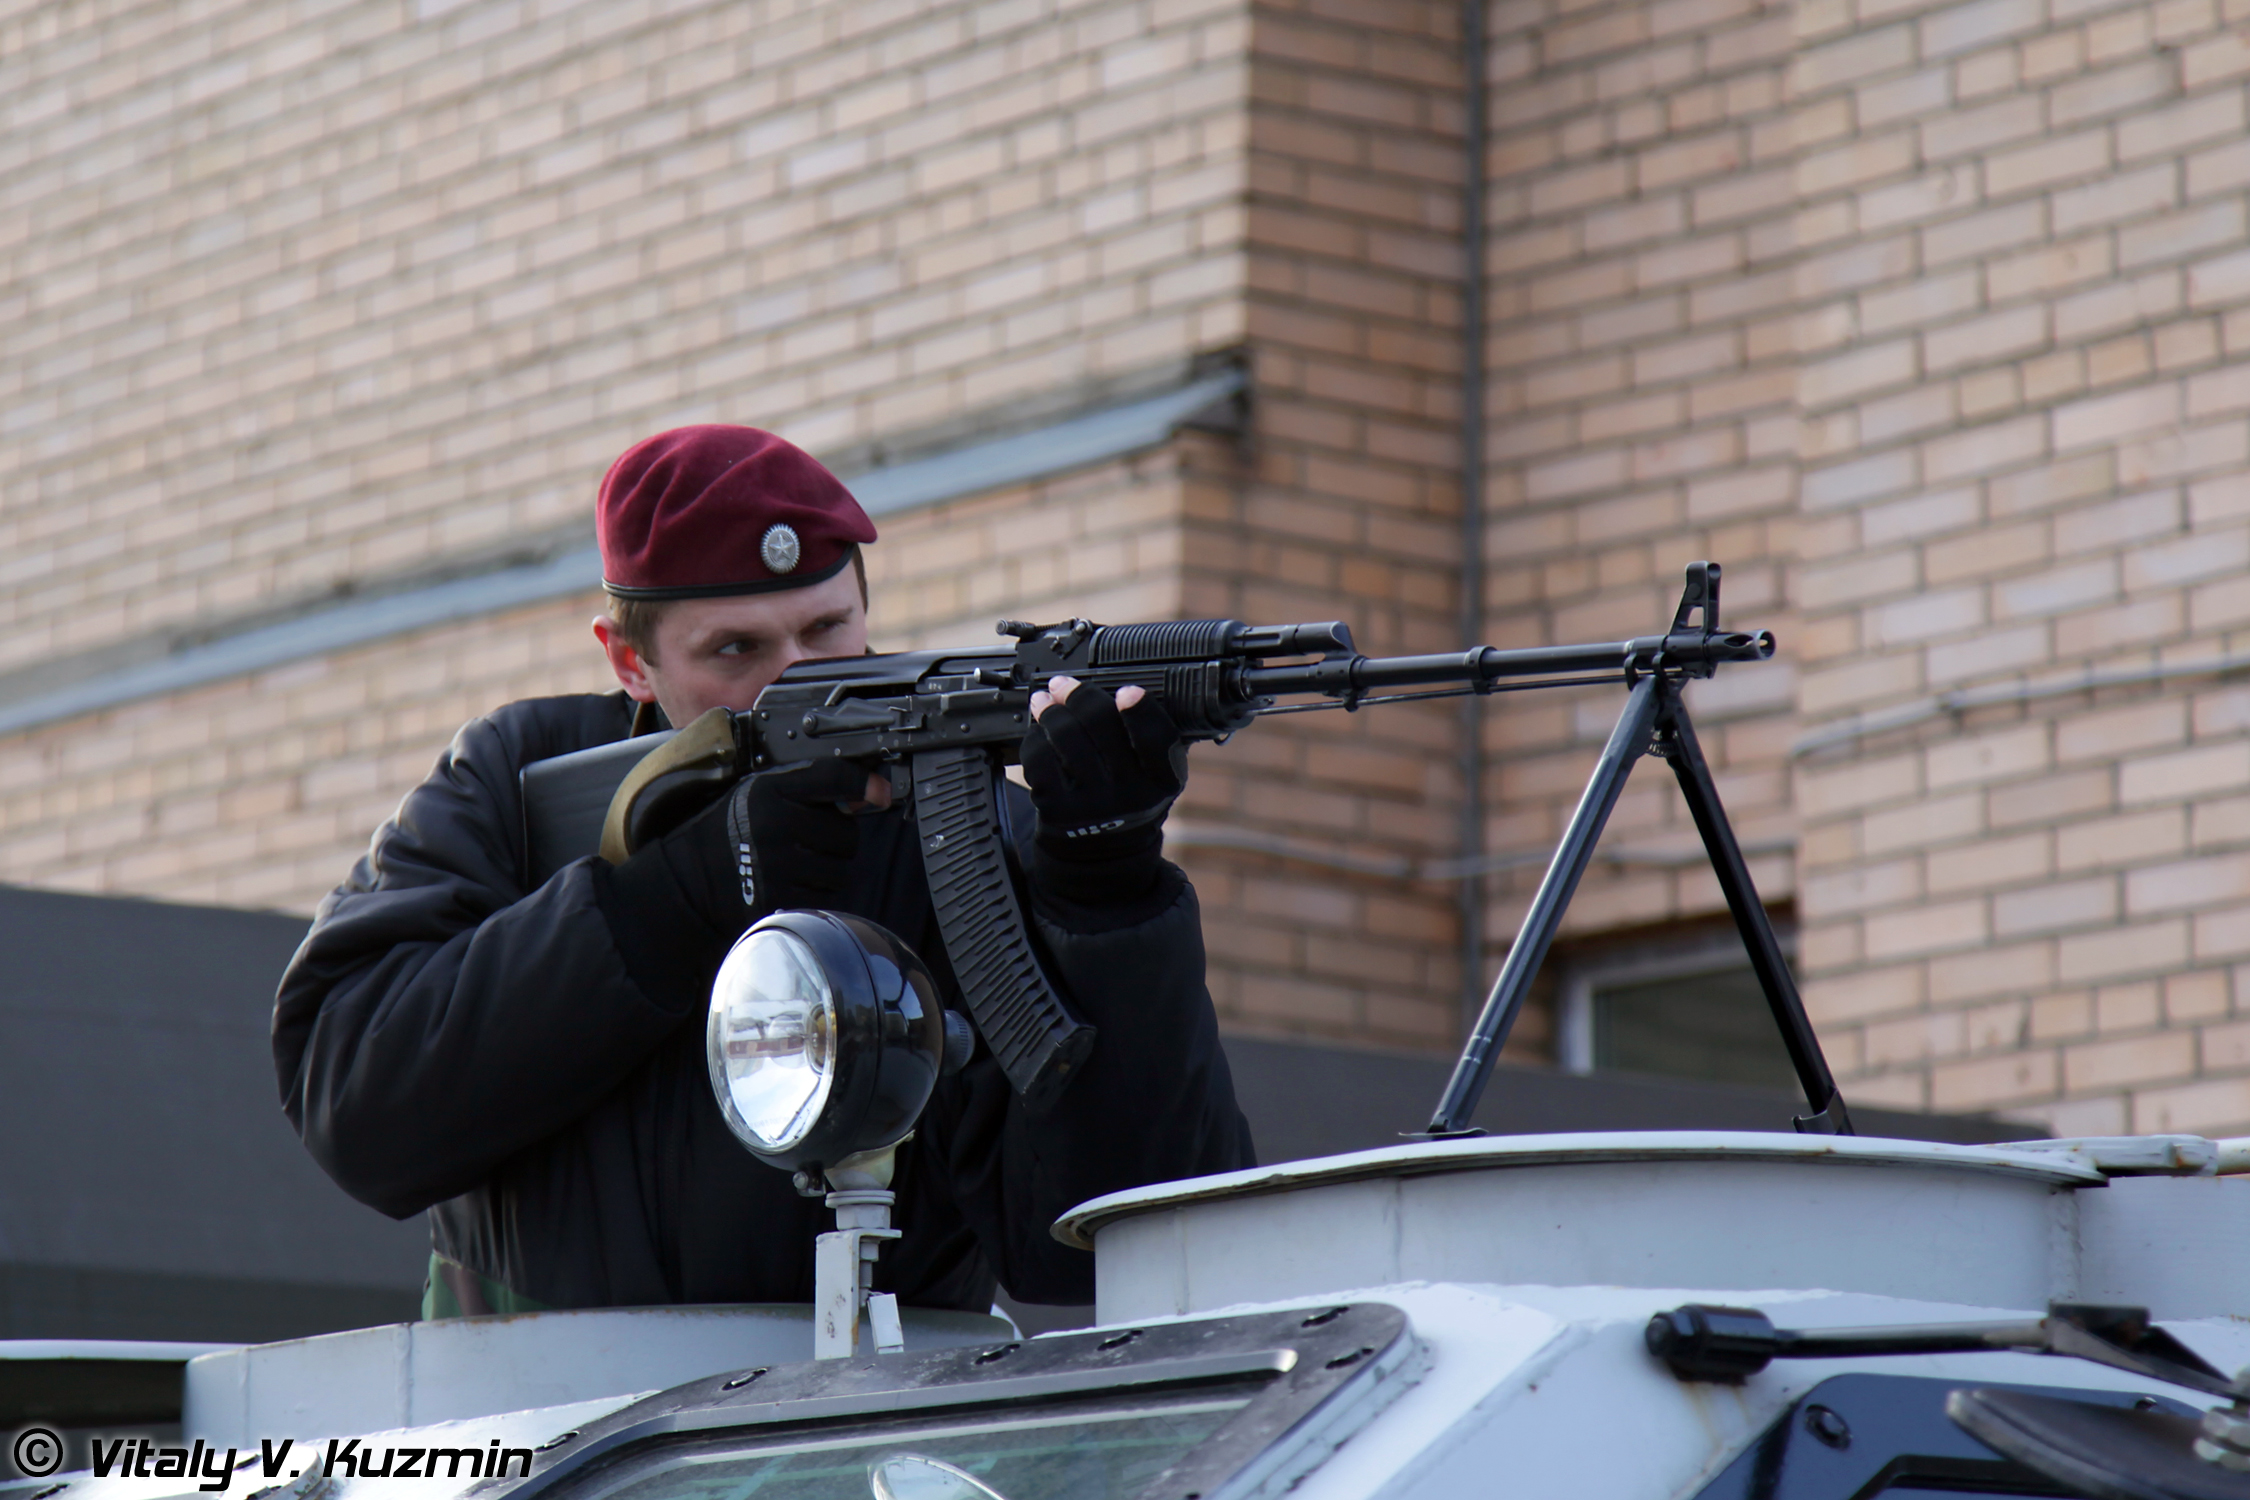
(1037, 1041)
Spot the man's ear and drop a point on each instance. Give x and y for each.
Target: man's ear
(631, 670)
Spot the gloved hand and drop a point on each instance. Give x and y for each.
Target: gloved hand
(1103, 772)
(777, 840)
(791, 842)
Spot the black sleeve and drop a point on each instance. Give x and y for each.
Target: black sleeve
(438, 1018)
(1153, 1103)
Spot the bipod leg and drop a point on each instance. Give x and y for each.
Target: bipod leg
(1628, 742)
(1676, 742)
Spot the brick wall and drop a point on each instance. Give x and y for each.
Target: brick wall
(261, 791)
(1351, 512)
(1104, 542)
(1640, 417)
(344, 297)
(296, 297)
(1926, 313)
(2024, 293)
(1922, 319)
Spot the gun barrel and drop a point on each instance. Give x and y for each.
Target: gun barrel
(1483, 665)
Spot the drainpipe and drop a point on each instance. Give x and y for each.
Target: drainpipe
(1472, 504)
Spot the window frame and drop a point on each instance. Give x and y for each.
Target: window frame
(1326, 1371)
(1686, 956)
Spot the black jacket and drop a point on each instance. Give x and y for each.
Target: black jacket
(448, 1040)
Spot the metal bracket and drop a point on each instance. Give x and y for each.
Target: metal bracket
(844, 1260)
(1699, 1341)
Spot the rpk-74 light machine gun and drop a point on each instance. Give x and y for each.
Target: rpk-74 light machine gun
(943, 724)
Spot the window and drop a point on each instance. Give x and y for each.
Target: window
(1685, 1009)
(1254, 1400)
(1108, 1453)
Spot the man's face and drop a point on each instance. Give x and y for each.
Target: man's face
(721, 653)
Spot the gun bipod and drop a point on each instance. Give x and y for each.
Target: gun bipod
(1654, 722)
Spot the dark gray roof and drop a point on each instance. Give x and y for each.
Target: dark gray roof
(151, 1187)
(138, 1099)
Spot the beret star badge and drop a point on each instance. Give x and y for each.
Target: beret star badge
(780, 549)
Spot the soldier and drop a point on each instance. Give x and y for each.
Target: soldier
(525, 1061)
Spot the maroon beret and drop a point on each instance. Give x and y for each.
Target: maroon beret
(703, 511)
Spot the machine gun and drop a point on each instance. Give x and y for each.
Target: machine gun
(943, 725)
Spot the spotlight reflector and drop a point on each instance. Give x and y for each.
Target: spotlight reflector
(824, 1039)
